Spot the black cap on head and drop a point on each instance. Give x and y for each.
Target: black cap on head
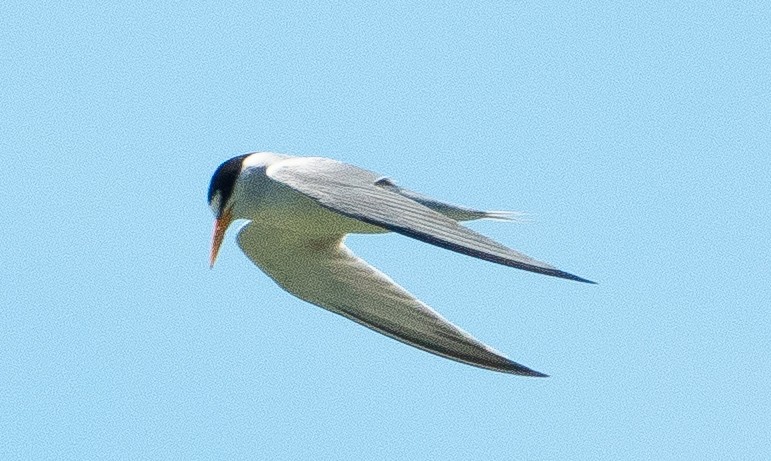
(224, 181)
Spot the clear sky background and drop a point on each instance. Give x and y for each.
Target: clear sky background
(636, 137)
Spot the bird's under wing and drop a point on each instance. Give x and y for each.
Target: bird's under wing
(355, 192)
(326, 273)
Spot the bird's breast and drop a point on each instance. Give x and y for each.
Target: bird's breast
(283, 207)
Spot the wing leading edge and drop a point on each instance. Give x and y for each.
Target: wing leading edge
(354, 192)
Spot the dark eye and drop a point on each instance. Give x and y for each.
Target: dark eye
(223, 182)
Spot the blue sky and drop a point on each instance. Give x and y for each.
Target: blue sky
(636, 137)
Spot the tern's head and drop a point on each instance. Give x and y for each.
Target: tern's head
(221, 199)
(226, 194)
(222, 185)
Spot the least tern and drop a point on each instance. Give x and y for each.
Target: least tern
(300, 210)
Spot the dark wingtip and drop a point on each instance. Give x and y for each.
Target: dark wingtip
(583, 280)
(569, 276)
(537, 374)
(521, 370)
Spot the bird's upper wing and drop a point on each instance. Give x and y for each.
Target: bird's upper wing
(324, 272)
(355, 192)
(452, 211)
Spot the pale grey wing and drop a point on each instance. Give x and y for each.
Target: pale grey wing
(329, 275)
(353, 192)
(452, 211)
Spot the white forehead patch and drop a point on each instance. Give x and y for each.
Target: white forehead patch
(261, 160)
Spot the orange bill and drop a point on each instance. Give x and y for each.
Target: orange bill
(220, 226)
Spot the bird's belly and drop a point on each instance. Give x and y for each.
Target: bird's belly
(286, 208)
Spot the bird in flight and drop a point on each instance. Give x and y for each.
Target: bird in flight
(300, 210)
